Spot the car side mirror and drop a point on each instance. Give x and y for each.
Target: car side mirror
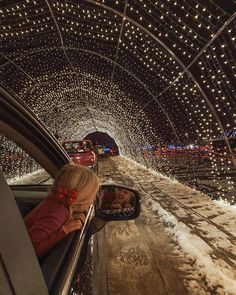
(116, 202)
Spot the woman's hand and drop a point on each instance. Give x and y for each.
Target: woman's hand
(75, 224)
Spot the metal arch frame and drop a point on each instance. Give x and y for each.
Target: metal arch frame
(120, 141)
(64, 50)
(92, 129)
(105, 125)
(119, 66)
(95, 128)
(102, 128)
(32, 79)
(185, 68)
(79, 88)
(137, 79)
(178, 60)
(127, 134)
(9, 61)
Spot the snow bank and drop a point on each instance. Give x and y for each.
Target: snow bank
(217, 277)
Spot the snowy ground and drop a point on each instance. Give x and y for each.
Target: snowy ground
(204, 230)
(36, 177)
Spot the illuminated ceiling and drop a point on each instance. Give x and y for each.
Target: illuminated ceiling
(145, 72)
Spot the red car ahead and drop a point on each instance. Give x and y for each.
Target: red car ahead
(81, 152)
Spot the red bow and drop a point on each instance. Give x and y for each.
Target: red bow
(69, 196)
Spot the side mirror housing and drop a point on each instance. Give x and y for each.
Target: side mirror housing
(116, 202)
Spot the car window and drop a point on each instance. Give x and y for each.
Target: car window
(68, 146)
(82, 146)
(18, 167)
(78, 146)
(71, 150)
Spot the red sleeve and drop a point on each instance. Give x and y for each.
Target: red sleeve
(47, 231)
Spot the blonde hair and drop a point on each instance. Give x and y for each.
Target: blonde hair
(77, 177)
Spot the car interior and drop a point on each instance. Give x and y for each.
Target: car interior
(57, 265)
(20, 269)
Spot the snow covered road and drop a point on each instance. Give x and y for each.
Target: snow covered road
(201, 235)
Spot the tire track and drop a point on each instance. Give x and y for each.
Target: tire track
(169, 203)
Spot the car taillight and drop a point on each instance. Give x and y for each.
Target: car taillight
(92, 157)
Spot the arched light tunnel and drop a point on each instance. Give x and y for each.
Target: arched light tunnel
(157, 76)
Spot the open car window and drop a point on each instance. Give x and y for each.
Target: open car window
(18, 167)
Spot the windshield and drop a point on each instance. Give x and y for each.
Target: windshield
(78, 146)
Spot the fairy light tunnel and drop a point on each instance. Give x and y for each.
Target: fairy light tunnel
(157, 76)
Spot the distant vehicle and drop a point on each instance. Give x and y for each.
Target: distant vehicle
(82, 152)
(99, 150)
(114, 151)
(107, 150)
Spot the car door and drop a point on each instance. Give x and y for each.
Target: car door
(20, 272)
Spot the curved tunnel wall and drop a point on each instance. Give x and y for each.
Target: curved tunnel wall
(159, 76)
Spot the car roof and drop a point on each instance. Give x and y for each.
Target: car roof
(74, 141)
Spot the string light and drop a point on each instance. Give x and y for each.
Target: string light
(160, 66)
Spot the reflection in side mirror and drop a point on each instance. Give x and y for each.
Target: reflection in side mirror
(117, 202)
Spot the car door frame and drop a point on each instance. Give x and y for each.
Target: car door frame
(20, 272)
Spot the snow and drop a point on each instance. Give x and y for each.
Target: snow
(226, 205)
(204, 229)
(200, 252)
(31, 178)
